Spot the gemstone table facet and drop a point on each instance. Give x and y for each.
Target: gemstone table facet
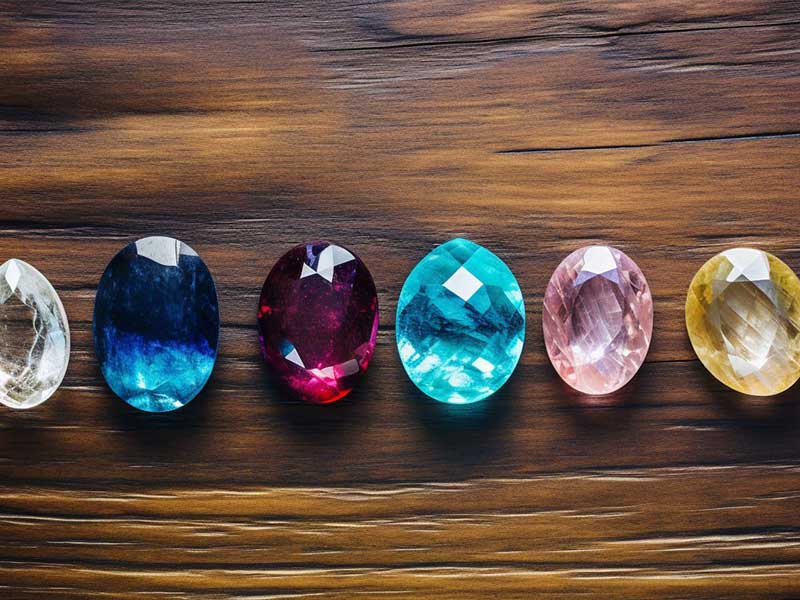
(743, 319)
(460, 323)
(597, 319)
(34, 336)
(318, 321)
(156, 324)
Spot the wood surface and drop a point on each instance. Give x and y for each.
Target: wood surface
(670, 129)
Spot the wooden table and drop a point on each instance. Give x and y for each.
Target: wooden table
(669, 129)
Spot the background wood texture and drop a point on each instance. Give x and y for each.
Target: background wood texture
(669, 129)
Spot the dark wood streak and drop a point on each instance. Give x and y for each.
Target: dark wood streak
(669, 129)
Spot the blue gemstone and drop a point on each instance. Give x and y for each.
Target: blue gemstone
(156, 324)
(460, 323)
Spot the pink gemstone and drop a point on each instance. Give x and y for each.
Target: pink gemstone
(597, 319)
(318, 321)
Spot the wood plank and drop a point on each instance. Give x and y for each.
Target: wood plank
(343, 24)
(648, 531)
(668, 129)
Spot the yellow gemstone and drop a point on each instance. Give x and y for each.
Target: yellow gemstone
(743, 319)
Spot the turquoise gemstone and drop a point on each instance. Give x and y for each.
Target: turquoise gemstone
(460, 323)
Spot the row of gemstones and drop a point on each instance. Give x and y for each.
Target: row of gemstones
(460, 323)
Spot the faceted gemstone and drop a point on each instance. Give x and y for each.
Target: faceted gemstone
(34, 336)
(318, 321)
(597, 319)
(743, 319)
(156, 324)
(460, 323)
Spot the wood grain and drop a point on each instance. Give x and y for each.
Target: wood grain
(669, 129)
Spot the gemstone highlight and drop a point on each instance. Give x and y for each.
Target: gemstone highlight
(34, 336)
(460, 323)
(156, 324)
(597, 319)
(743, 320)
(318, 321)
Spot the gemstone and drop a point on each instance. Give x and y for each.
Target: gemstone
(743, 319)
(597, 319)
(460, 323)
(156, 324)
(34, 336)
(318, 321)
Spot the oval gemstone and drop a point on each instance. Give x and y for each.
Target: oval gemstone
(743, 319)
(597, 319)
(318, 321)
(460, 323)
(156, 324)
(34, 336)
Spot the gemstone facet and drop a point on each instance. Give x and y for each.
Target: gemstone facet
(156, 324)
(743, 319)
(460, 323)
(597, 319)
(318, 321)
(34, 336)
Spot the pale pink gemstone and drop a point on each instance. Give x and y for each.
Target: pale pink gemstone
(597, 319)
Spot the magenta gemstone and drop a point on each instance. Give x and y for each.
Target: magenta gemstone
(318, 320)
(597, 319)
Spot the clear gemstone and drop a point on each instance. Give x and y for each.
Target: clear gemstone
(597, 319)
(34, 336)
(460, 323)
(743, 319)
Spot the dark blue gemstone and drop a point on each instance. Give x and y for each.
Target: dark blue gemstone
(156, 324)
